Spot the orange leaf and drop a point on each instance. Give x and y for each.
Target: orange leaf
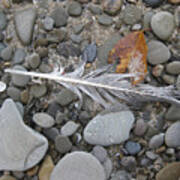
(131, 53)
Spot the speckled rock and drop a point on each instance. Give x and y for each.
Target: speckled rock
(22, 147)
(44, 120)
(20, 80)
(74, 9)
(111, 7)
(163, 24)
(131, 14)
(172, 135)
(173, 67)
(157, 52)
(169, 172)
(105, 20)
(78, 165)
(110, 128)
(24, 24)
(59, 16)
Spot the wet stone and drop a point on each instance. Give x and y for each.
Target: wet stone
(89, 53)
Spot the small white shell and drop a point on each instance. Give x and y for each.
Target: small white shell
(2, 86)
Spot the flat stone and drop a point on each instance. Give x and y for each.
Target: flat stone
(75, 9)
(60, 16)
(172, 135)
(157, 52)
(69, 128)
(140, 128)
(24, 23)
(21, 147)
(46, 168)
(173, 113)
(163, 24)
(105, 20)
(20, 80)
(65, 97)
(44, 120)
(38, 90)
(170, 172)
(6, 53)
(112, 7)
(3, 20)
(156, 141)
(103, 51)
(63, 144)
(51, 133)
(173, 68)
(131, 14)
(110, 128)
(19, 56)
(33, 60)
(80, 166)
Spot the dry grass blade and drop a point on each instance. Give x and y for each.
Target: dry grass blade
(106, 88)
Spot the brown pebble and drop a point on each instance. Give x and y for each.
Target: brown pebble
(33, 171)
(161, 149)
(174, 1)
(24, 96)
(6, 3)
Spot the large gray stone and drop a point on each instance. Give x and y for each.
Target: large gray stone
(157, 52)
(79, 166)
(24, 23)
(20, 147)
(172, 136)
(163, 24)
(110, 128)
(173, 68)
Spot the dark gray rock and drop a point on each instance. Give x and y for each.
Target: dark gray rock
(96, 10)
(62, 144)
(53, 109)
(89, 53)
(51, 133)
(157, 52)
(172, 135)
(105, 20)
(24, 24)
(66, 50)
(78, 165)
(78, 28)
(75, 9)
(163, 24)
(19, 56)
(173, 113)
(153, 3)
(132, 147)
(3, 20)
(60, 17)
(19, 80)
(21, 148)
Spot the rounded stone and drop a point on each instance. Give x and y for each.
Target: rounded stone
(157, 52)
(14, 93)
(7, 177)
(19, 56)
(75, 9)
(38, 90)
(163, 24)
(156, 141)
(20, 80)
(112, 7)
(62, 144)
(6, 53)
(48, 23)
(105, 20)
(100, 153)
(172, 135)
(132, 147)
(33, 60)
(69, 128)
(129, 163)
(78, 165)
(43, 120)
(140, 127)
(60, 17)
(173, 68)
